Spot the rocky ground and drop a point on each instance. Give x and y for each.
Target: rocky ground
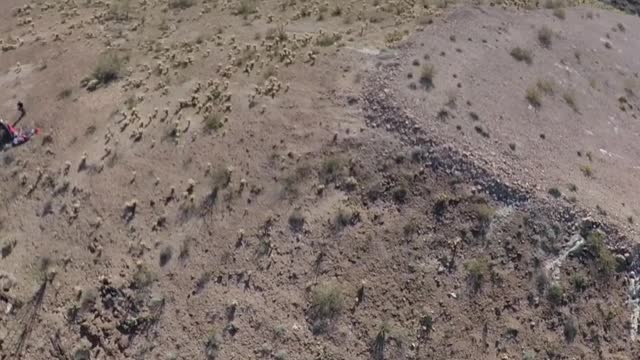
(306, 180)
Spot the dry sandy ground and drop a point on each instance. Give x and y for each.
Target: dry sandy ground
(478, 100)
(270, 214)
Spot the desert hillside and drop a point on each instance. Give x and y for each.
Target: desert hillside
(302, 179)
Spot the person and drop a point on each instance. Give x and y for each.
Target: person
(12, 135)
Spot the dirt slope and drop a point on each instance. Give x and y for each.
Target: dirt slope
(262, 183)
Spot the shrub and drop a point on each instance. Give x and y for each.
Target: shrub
(212, 346)
(546, 86)
(213, 121)
(579, 282)
(605, 261)
(529, 355)
(181, 4)
(325, 39)
(326, 304)
(484, 213)
(296, 221)
(554, 192)
(64, 94)
(400, 194)
(477, 272)
(521, 54)
(570, 99)
(570, 330)
(330, 170)
(119, 10)
(246, 7)
(555, 295)
(551, 4)
(533, 97)
(572, 187)
(559, 13)
(545, 37)
(411, 228)
(427, 74)
(109, 68)
(165, 255)
(142, 278)
(377, 348)
(278, 32)
(587, 170)
(345, 217)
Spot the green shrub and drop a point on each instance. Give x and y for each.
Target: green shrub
(559, 13)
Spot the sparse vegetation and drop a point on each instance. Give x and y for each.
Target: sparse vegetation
(477, 273)
(521, 54)
(545, 37)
